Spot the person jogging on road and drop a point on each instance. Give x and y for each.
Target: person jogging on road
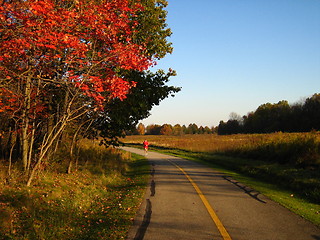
(145, 146)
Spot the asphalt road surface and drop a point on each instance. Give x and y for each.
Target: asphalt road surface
(187, 200)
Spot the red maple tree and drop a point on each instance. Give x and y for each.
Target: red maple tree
(75, 46)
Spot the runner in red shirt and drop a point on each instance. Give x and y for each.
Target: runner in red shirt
(145, 146)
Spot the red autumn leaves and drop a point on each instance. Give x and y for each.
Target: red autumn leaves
(75, 43)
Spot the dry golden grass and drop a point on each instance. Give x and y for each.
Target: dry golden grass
(213, 142)
(298, 149)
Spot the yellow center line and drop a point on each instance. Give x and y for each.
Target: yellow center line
(212, 213)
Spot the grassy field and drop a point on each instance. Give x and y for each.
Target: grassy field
(297, 149)
(98, 200)
(218, 143)
(283, 166)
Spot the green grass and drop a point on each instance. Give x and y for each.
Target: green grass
(298, 205)
(95, 202)
(280, 183)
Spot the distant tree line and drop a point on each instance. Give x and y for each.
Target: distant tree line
(168, 129)
(267, 118)
(299, 117)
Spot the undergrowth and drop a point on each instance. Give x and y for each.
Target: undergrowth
(98, 200)
(300, 150)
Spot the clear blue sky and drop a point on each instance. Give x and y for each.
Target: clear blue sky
(234, 55)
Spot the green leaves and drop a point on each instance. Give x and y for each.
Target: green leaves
(152, 28)
(124, 115)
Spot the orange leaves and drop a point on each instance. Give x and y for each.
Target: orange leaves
(11, 103)
(84, 87)
(84, 43)
(41, 7)
(50, 46)
(8, 100)
(120, 87)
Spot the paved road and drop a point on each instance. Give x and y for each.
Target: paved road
(187, 200)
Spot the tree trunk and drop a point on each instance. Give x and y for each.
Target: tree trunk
(11, 142)
(10, 162)
(51, 137)
(31, 148)
(46, 145)
(73, 144)
(25, 123)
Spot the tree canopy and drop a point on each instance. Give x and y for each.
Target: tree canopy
(300, 117)
(124, 115)
(74, 64)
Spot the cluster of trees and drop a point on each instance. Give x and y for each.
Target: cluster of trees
(299, 117)
(168, 129)
(268, 118)
(77, 68)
